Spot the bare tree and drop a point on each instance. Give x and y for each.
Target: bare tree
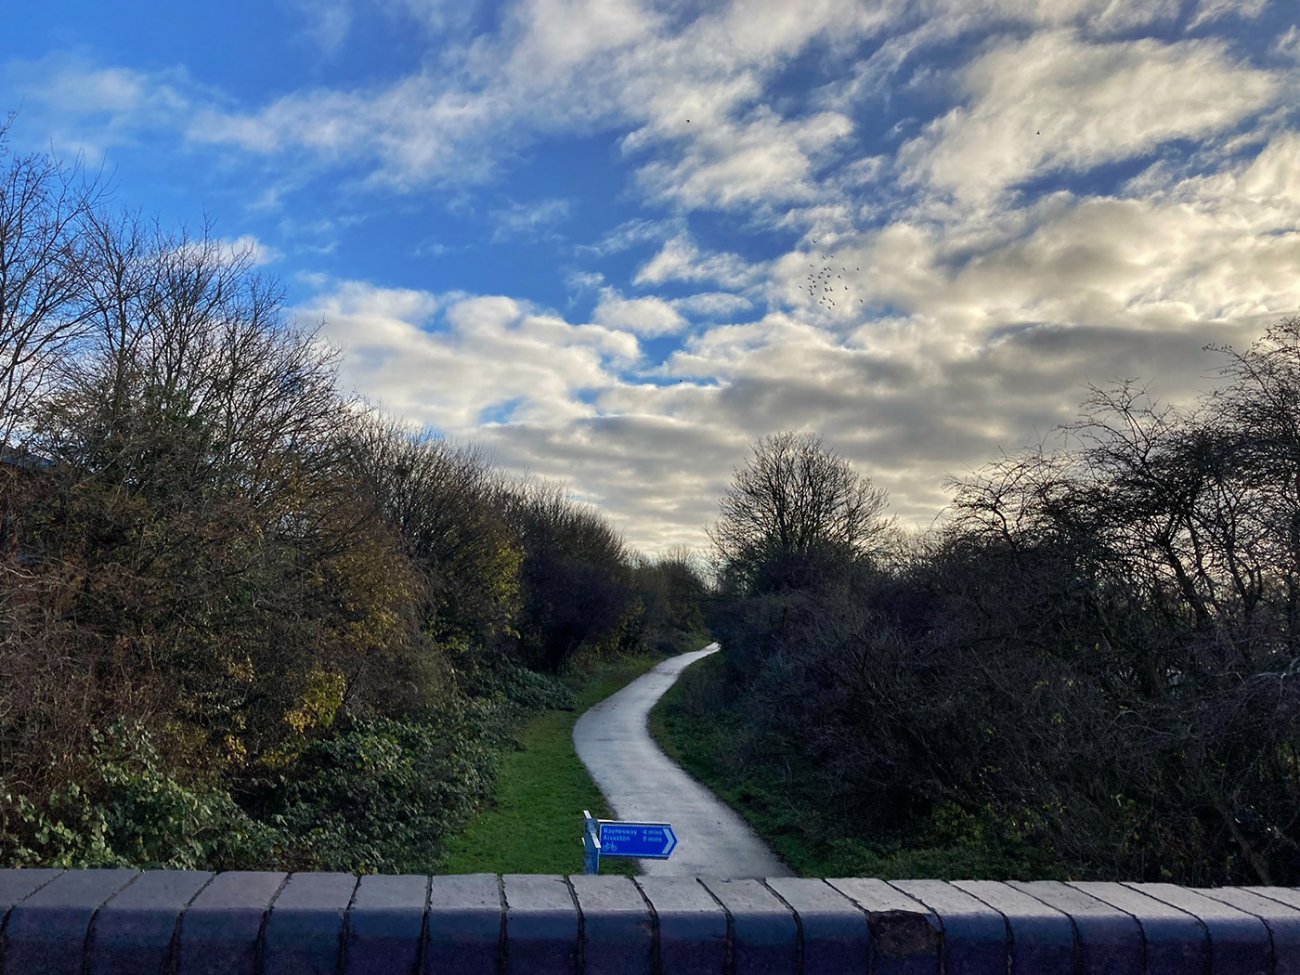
(44, 209)
(796, 499)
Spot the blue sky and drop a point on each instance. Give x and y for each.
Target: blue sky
(615, 241)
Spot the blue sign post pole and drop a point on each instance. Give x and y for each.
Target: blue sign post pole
(615, 838)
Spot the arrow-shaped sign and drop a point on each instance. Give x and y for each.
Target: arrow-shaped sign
(645, 841)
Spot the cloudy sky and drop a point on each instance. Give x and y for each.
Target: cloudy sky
(615, 241)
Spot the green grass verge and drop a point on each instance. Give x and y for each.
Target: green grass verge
(694, 726)
(535, 825)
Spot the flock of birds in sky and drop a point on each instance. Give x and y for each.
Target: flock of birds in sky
(822, 287)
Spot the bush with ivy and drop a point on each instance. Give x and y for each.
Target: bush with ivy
(126, 809)
(381, 795)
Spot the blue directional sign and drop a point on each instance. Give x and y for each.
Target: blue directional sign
(645, 841)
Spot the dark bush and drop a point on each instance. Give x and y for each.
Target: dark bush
(382, 795)
(1087, 670)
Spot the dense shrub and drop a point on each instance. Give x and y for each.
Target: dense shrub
(125, 809)
(1087, 670)
(382, 795)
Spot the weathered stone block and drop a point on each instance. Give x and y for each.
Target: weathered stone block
(541, 925)
(304, 930)
(135, 931)
(48, 931)
(465, 927)
(692, 926)
(220, 932)
(764, 933)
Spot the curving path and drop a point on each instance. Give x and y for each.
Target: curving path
(643, 785)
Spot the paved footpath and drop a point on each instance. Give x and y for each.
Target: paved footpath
(643, 785)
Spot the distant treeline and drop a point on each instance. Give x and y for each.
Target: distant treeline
(245, 620)
(1092, 669)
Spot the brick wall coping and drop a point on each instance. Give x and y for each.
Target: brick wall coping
(86, 922)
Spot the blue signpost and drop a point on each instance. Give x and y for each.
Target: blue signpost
(614, 838)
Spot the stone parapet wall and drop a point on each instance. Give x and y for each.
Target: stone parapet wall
(196, 923)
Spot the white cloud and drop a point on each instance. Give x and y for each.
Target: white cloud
(416, 131)
(630, 233)
(533, 220)
(86, 109)
(328, 22)
(1097, 16)
(554, 66)
(762, 160)
(680, 259)
(1288, 45)
(997, 321)
(435, 16)
(77, 88)
(1217, 248)
(1057, 102)
(450, 361)
(247, 245)
(331, 23)
(584, 280)
(967, 326)
(552, 38)
(642, 316)
(392, 311)
(579, 66)
(656, 478)
(713, 304)
(1273, 177)
(1212, 10)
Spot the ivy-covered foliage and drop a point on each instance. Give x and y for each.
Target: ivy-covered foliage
(381, 795)
(126, 809)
